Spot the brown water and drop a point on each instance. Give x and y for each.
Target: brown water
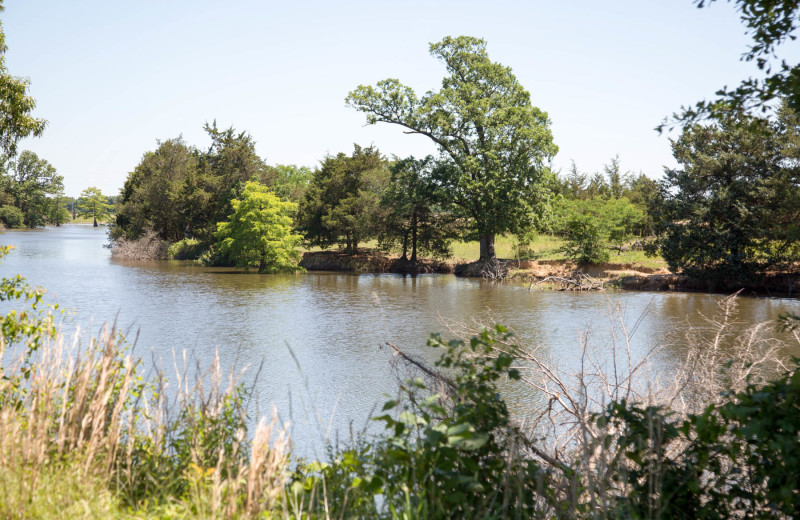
(320, 337)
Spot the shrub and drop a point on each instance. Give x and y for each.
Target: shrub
(186, 249)
(11, 216)
(585, 239)
(147, 247)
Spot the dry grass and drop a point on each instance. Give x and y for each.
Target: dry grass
(148, 247)
(73, 420)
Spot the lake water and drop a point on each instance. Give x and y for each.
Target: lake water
(320, 337)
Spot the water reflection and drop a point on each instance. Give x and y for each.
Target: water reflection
(319, 335)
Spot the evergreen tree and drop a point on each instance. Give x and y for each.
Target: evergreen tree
(730, 210)
(341, 205)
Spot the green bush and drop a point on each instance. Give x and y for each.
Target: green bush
(588, 226)
(737, 460)
(585, 239)
(11, 216)
(186, 249)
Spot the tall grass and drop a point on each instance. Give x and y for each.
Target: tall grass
(81, 431)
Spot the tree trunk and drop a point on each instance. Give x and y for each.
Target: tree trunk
(414, 238)
(95, 221)
(487, 246)
(262, 265)
(405, 246)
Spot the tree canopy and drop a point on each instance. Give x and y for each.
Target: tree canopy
(414, 218)
(29, 183)
(92, 203)
(341, 205)
(180, 191)
(16, 121)
(495, 142)
(731, 209)
(259, 231)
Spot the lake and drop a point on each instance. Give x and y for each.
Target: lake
(320, 338)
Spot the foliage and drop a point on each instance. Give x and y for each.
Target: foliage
(181, 192)
(32, 325)
(92, 203)
(155, 194)
(229, 163)
(341, 205)
(738, 458)
(447, 451)
(17, 106)
(11, 217)
(259, 231)
(494, 143)
(730, 211)
(589, 225)
(30, 183)
(59, 210)
(186, 249)
(446, 458)
(289, 182)
(640, 190)
(585, 236)
(771, 24)
(414, 219)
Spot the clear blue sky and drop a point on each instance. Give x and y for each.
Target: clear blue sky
(113, 77)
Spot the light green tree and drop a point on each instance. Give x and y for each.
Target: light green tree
(496, 143)
(259, 231)
(92, 203)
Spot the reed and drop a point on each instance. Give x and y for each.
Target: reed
(79, 428)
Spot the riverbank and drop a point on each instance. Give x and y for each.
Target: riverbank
(629, 276)
(370, 262)
(636, 277)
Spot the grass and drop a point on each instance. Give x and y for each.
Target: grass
(547, 247)
(543, 247)
(86, 220)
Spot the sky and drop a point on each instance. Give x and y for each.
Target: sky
(113, 78)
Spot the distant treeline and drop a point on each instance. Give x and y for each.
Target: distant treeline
(32, 195)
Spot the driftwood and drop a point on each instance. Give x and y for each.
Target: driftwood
(579, 282)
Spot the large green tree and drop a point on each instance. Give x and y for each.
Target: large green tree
(731, 209)
(259, 232)
(162, 193)
(342, 204)
(92, 203)
(497, 143)
(32, 181)
(16, 106)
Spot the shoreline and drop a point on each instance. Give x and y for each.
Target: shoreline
(622, 276)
